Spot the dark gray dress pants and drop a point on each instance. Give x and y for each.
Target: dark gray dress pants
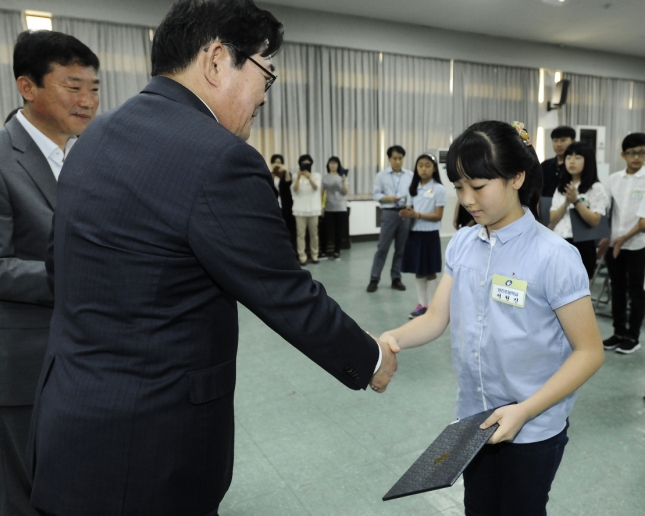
(393, 228)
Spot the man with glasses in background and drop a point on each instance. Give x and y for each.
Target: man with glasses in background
(166, 219)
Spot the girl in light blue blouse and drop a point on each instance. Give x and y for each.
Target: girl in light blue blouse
(522, 326)
(422, 253)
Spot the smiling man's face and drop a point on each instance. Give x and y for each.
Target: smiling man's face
(66, 102)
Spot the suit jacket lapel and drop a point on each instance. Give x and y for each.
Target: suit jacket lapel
(32, 161)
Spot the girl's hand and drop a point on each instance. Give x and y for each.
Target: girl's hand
(511, 419)
(408, 213)
(571, 192)
(390, 341)
(618, 244)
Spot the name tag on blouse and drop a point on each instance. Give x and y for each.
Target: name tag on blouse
(510, 291)
(638, 193)
(429, 193)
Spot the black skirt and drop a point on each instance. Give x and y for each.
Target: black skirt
(422, 254)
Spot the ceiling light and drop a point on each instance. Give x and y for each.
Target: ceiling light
(557, 3)
(37, 20)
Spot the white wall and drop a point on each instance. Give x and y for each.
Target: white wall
(305, 26)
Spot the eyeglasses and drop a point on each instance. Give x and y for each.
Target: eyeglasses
(271, 77)
(634, 154)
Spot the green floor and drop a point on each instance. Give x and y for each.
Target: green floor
(307, 445)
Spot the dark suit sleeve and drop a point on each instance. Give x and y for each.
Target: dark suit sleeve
(22, 281)
(237, 232)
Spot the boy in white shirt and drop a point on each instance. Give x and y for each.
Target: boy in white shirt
(626, 255)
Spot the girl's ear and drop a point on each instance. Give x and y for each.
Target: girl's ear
(518, 180)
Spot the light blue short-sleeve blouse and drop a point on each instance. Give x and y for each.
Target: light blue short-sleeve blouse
(503, 353)
(428, 198)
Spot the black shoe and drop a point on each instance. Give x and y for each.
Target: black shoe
(315, 262)
(372, 286)
(322, 255)
(396, 284)
(628, 346)
(612, 342)
(336, 256)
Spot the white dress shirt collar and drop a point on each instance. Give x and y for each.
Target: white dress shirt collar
(214, 115)
(52, 152)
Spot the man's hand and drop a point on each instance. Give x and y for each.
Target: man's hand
(511, 419)
(382, 377)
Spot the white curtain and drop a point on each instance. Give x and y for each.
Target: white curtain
(324, 103)
(415, 105)
(638, 107)
(351, 101)
(124, 53)
(617, 104)
(283, 125)
(353, 104)
(492, 92)
(10, 26)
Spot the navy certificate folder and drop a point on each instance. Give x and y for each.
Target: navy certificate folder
(446, 458)
(583, 231)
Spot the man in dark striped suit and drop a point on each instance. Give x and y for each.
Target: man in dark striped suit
(166, 220)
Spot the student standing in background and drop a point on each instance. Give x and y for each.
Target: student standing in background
(626, 255)
(422, 254)
(561, 137)
(579, 190)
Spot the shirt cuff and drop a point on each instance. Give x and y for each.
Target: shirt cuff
(380, 358)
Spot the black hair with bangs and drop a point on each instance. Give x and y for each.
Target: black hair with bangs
(589, 174)
(494, 150)
(416, 179)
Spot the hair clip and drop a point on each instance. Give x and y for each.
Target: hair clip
(524, 136)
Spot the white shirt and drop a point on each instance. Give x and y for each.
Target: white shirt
(627, 191)
(390, 183)
(52, 152)
(641, 215)
(307, 202)
(596, 199)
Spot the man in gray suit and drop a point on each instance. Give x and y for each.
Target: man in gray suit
(56, 76)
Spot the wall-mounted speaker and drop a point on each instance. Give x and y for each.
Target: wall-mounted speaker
(560, 93)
